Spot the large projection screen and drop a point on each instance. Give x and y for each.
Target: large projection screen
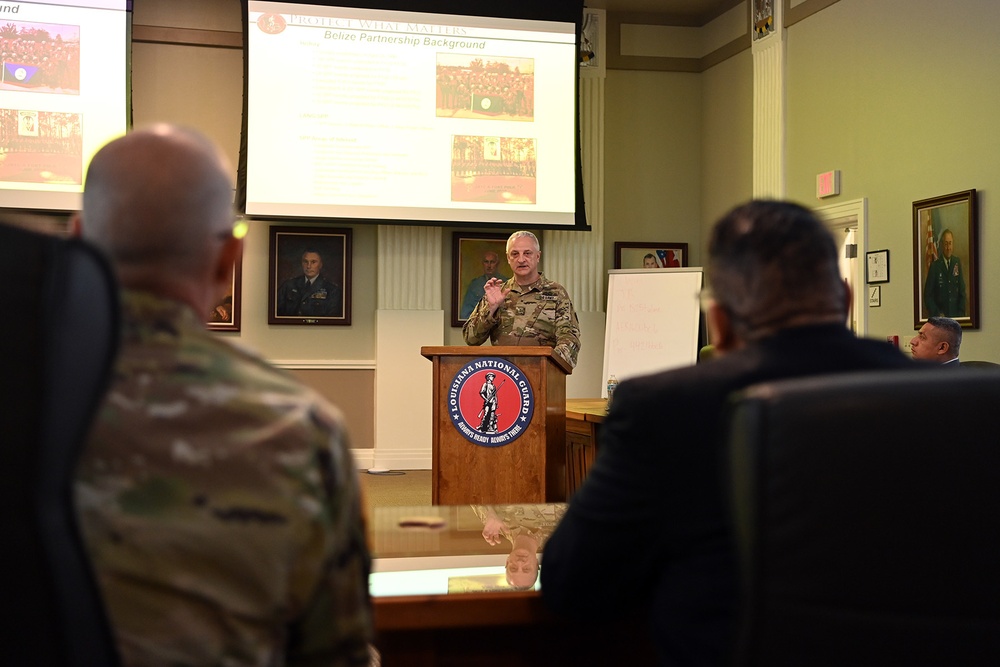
(63, 95)
(412, 117)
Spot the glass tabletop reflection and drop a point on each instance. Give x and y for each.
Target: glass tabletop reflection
(448, 549)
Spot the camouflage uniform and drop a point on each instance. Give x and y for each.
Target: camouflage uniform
(220, 503)
(539, 314)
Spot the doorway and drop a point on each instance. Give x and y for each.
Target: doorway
(848, 222)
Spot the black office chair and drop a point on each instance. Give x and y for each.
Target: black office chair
(866, 513)
(985, 365)
(59, 334)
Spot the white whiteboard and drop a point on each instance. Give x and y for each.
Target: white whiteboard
(652, 321)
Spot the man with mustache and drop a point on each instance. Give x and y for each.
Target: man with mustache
(528, 309)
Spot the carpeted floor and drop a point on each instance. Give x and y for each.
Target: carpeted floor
(398, 488)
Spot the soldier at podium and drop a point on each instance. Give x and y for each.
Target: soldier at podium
(528, 309)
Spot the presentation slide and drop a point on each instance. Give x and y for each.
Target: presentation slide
(390, 115)
(62, 96)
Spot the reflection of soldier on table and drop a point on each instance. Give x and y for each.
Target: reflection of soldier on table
(488, 423)
(310, 294)
(526, 527)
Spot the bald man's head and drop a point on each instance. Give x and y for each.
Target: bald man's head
(158, 201)
(156, 197)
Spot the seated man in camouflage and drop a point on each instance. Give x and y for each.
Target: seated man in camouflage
(528, 309)
(217, 495)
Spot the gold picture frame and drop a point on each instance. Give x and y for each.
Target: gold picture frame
(945, 259)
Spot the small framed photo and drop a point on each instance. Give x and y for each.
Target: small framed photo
(641, 255)
(877, 268)
(475, 258)
(945, 259)
(309, 276)
(226, 314)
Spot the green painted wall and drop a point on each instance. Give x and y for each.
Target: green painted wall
(902, 96)
(653, 158)
(727, 151)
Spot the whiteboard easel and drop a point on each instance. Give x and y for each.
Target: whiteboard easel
(652, 321)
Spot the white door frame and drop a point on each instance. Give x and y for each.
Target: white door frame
(853, 213)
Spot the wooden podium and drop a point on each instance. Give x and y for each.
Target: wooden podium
(530, 468)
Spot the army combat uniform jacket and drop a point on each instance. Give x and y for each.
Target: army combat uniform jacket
(220, 505)
(539, 314)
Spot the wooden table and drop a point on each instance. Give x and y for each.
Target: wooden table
(583, 419)
(419, 622)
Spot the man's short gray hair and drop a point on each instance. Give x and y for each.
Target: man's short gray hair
(516, 235)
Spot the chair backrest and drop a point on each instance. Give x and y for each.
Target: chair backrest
(58, 338)
(990, 365)
(866, 516)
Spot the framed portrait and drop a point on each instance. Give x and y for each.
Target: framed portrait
(641, 255)
(226, 314)
(945, 259)
(309, 276)
(475, 258)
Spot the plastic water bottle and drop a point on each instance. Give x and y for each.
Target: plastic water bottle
(612, 385)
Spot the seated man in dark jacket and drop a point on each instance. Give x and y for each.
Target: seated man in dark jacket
(649, 529)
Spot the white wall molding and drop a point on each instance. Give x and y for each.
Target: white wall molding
(769, 113)
(853, 213)
(414, 458)
(409, 268)
(404, 381)
(325, 365)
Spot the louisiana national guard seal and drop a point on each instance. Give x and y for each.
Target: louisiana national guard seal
(272, 24)
(490, 402)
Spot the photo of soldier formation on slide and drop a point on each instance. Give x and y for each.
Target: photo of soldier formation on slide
(40, 147)
(497, 170)
(495, 88)
(40, 58)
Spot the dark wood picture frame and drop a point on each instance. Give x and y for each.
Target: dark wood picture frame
(226, 314)
(631, 254)
(288, 300)
(952, 290)
(467, 251)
